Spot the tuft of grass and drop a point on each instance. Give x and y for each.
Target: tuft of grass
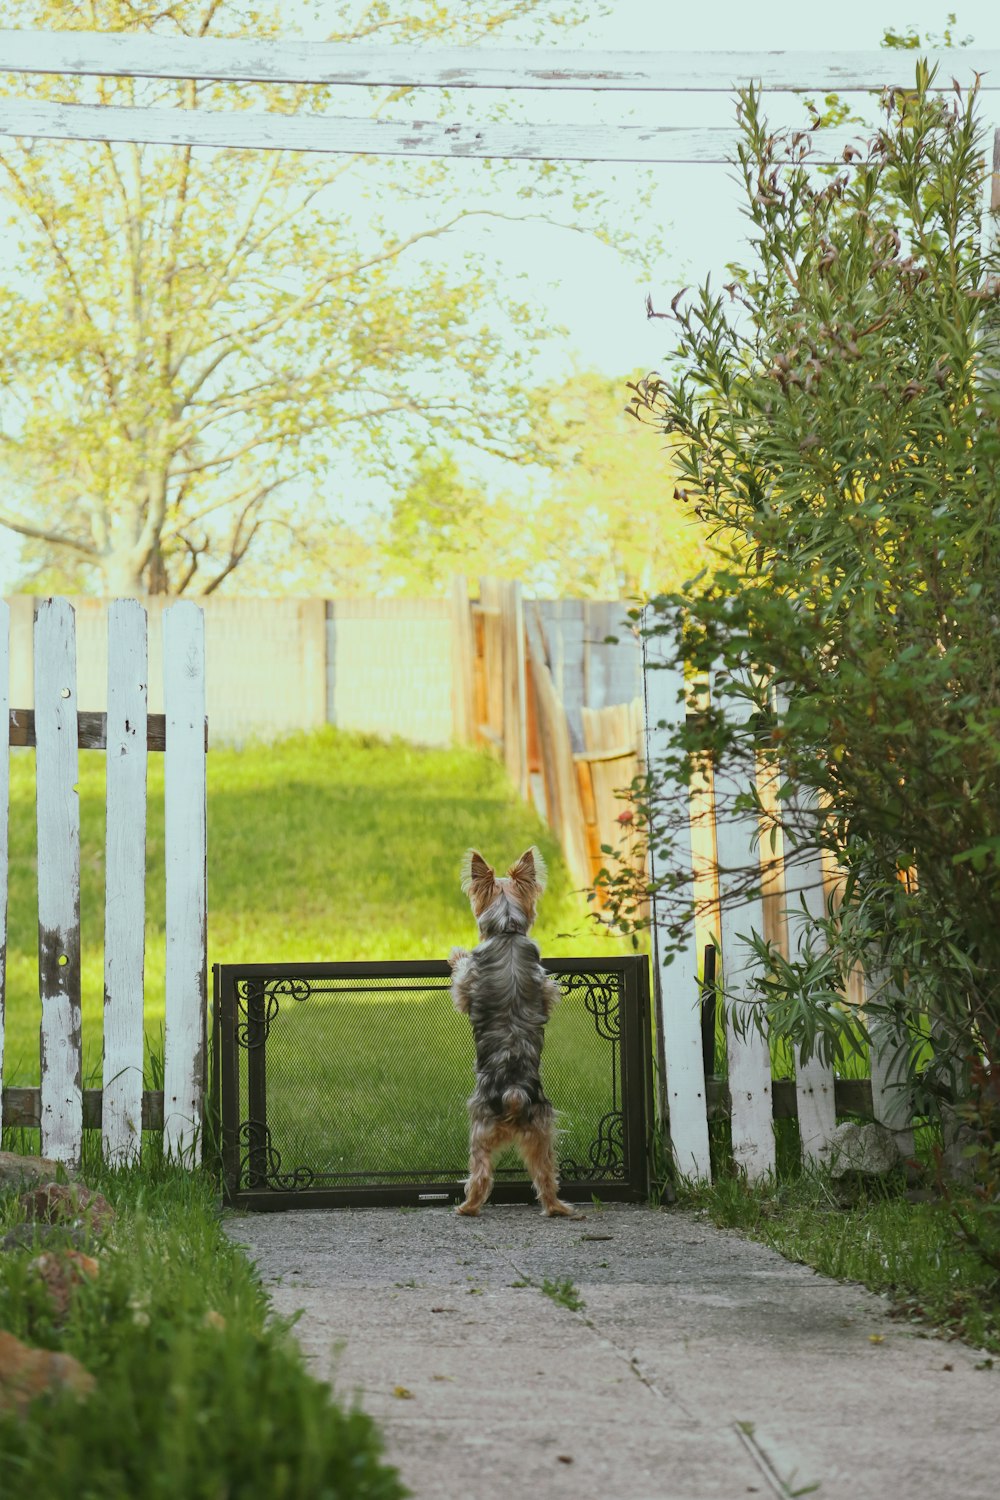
(908, 1250)
(196, 1391)
(565, 1293)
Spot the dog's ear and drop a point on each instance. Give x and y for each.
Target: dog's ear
(530, 869)
(475, 871)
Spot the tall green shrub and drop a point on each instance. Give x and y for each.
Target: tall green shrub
(834, 414)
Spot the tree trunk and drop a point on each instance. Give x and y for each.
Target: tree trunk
(123, 577)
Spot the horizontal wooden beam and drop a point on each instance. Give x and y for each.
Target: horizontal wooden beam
(246, 60)
(852, 1096)
(91, 730)
(22, 1108)
(250, 130)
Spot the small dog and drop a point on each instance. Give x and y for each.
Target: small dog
(508, 997)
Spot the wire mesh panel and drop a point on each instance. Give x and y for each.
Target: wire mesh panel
(347, 1083)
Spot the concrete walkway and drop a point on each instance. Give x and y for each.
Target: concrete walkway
(701, 1367)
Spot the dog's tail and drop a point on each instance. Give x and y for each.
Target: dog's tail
(516, 1102)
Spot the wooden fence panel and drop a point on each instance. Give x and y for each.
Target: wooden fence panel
(185, 853)
(612, 672)
(463, 656)
(491, 727)
(514, 710)
(737, 834)
(607, 767)
(58, 820)
(563, 630)
(4, 811)
(562, 791)
(125, 865)
(680, 1062)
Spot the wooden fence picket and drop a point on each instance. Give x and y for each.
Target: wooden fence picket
(680, 1061)
(892, 1101)
(4, 812)
(58, 820)
(185, 854)
(805, 905)
(737, 840)
(125, 865)
(513, 675)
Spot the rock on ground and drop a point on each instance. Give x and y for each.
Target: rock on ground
(26, 1374)
(21, 1171)
(869, 1150)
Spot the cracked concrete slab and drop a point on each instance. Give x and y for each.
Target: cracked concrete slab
(701, 1366)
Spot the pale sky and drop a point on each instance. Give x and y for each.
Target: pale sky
(694, 215)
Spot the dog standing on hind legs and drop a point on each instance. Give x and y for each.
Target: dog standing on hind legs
(508, 997)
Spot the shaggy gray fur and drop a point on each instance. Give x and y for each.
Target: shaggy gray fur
(508, 997)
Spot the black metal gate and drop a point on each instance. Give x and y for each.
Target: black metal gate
(345, 1083)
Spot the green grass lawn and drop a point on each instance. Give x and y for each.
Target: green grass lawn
(328, 847)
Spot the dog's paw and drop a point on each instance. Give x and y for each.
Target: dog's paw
(561, 1210)
(456, 955)
(467, 1210)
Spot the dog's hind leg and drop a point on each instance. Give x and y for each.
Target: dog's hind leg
(536, 1146)
(484, 1141)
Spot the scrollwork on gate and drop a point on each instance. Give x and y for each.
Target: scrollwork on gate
(601, 995)
(260, 1161)
(259, 1001)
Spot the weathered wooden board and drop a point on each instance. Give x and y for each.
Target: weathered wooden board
(491, 728)
(125, 881)
(252, 130)
(4, 809)
(22, 1108)
(805, 903)
(58, 821)
(514, 708)
(853, 1097)
(562, 791)
(185, 858)
(292, 60)
(737, 834)
(612, 672)
(892, 1100)
(463, 653)
(610, 763)
(681, 1076)
(564, 629)
(91, 730)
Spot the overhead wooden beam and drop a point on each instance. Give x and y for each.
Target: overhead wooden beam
(242, 60)
(250, 130)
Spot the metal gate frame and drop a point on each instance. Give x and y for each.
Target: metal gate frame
(633, 1084)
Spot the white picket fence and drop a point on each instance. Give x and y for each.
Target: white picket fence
(684, 1105)
(57, 729)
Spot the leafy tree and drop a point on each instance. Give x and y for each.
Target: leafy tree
(190, 335)
(595, 517)
(437, 526)
(836, 423)
(611, 515)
